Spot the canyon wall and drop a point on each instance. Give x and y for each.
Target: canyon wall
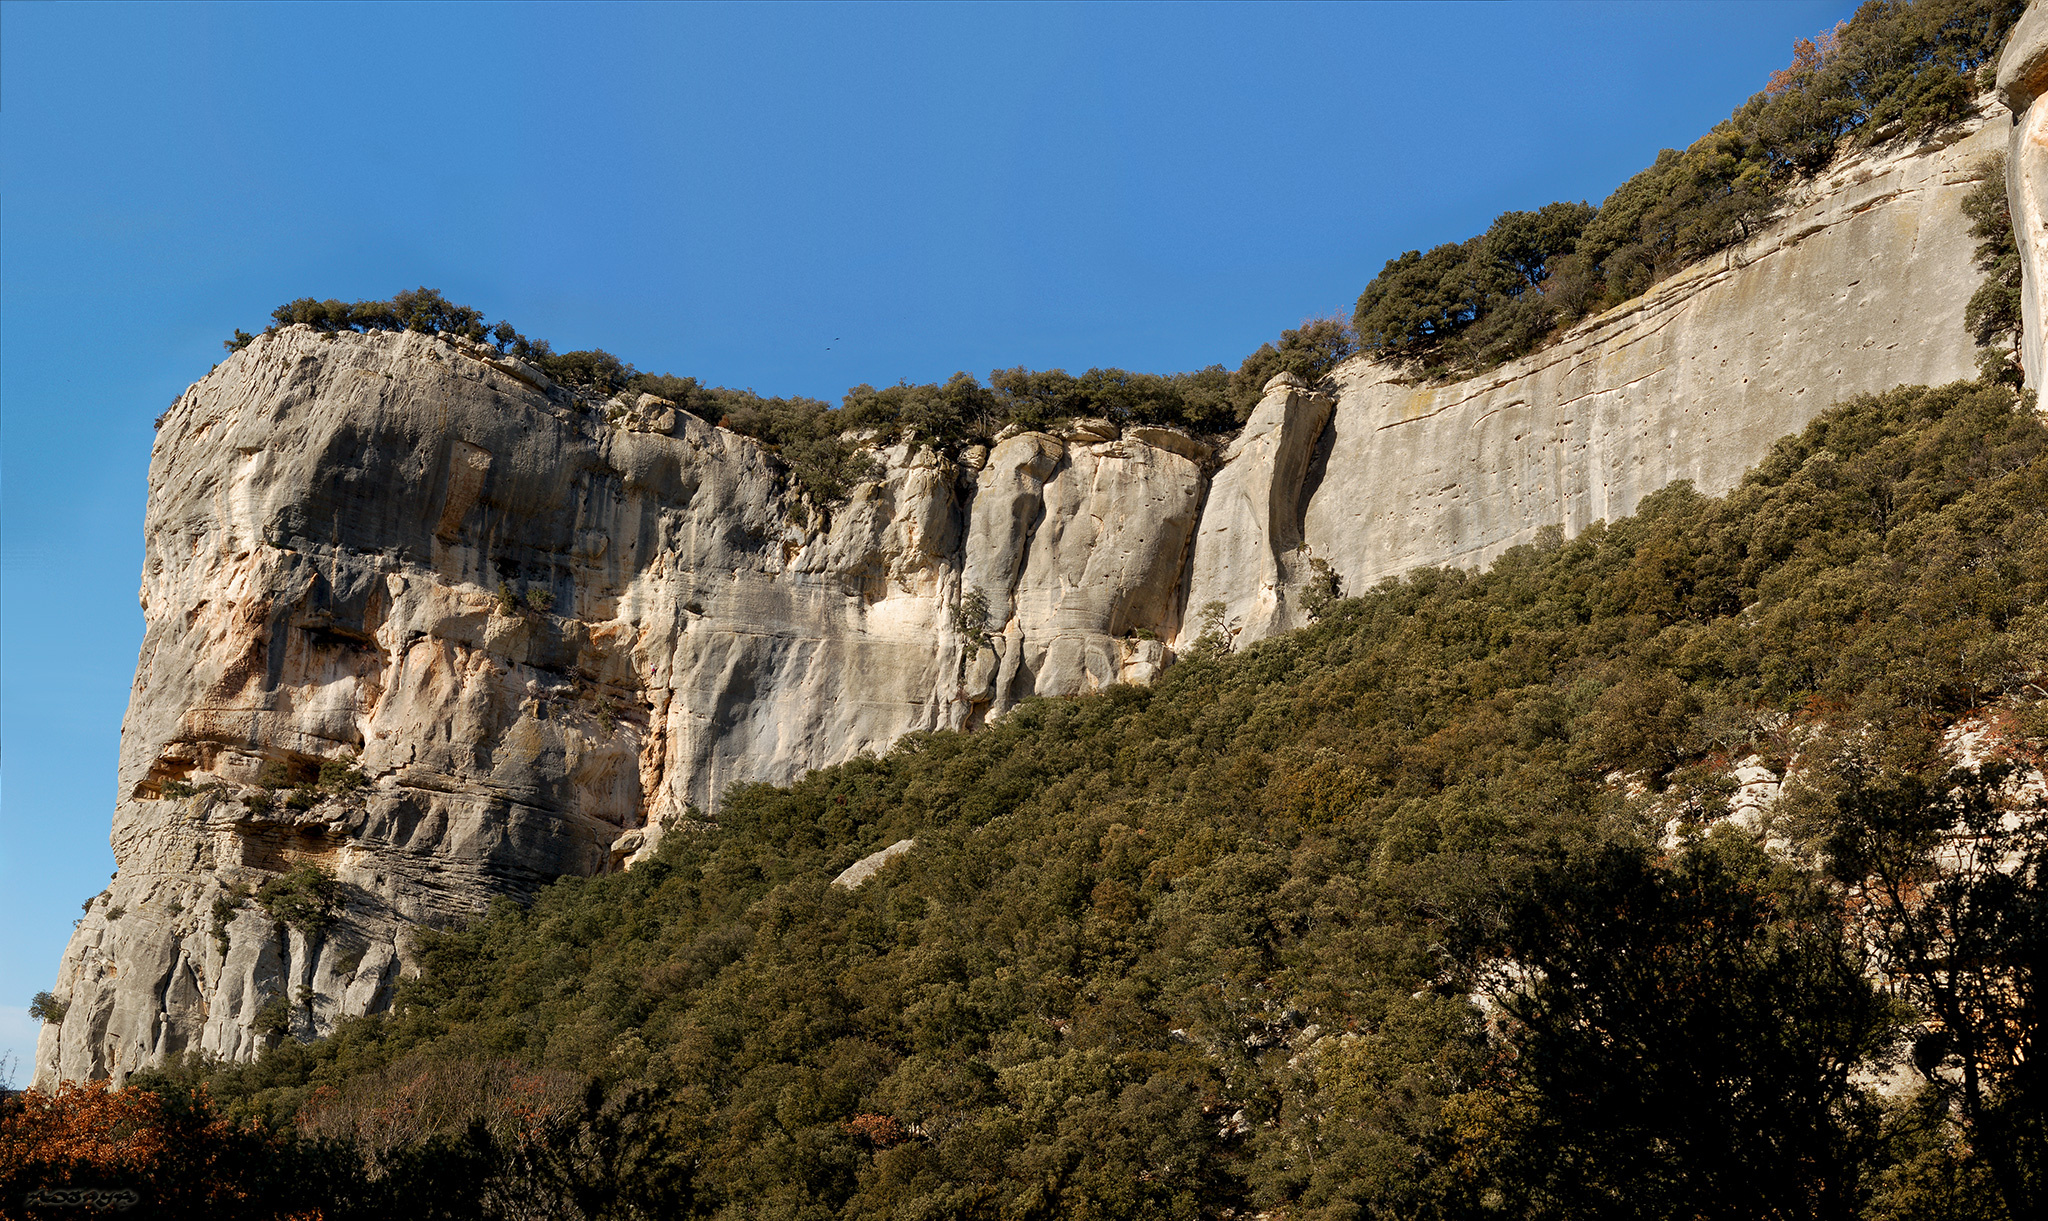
(518, 635)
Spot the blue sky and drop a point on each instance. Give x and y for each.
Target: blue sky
(794, 198)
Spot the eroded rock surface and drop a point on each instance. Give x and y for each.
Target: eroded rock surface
(1859, 288)
(1249, 549)
(541, 632)
(540, 636)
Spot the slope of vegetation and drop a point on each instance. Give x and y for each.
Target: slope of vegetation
(1429, 910)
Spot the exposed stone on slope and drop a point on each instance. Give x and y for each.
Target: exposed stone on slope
(868, 866)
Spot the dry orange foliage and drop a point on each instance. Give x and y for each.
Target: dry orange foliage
(177, 1159)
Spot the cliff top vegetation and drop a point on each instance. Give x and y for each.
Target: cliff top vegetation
(1896, 70)
(811, 437)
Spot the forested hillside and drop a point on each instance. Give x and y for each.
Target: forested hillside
(1430, 910)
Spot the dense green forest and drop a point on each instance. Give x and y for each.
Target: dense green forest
(1429, 910)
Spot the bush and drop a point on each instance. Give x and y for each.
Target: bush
(341, 776)
(274, 1018)
(45, 1007)
(1311, 352)
(165, 1148)
(303, 898)
(224, 905)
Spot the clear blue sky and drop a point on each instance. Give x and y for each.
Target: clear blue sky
(725, 192)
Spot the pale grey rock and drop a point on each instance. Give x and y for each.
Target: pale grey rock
(2022, 79)
(868, 866)
(1858, 288)
(1087, 431)
(1246, 550)
(1103, 563)
(2023, 65)
(1172, 440)
(332, 519)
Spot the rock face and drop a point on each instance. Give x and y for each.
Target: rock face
(2022, 79)
(1860, 288)
(538, 635)
(1247, 554)
(520, 636)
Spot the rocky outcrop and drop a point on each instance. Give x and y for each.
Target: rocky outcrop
(539, 635)
(1249, 548)
(421, 619)
(851, 877)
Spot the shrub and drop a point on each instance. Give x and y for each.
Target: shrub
(1322, 588)
(540, 599)
(303, 898)
(274, 1018)
(1993, 315)
(970, 618)
(341, 776)
(224, 905)
(45, 1007)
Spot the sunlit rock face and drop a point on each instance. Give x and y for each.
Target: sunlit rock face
(538, 634)
(1858, 288)
(540, 631)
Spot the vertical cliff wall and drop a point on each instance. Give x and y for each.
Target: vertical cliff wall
(2022, 79)
(1858, 288)
(537, 631)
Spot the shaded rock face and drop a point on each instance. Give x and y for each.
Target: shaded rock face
(541, 634)
(2022, 79)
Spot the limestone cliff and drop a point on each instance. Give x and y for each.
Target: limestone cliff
(2022, 79)
(539, 630)
(1858, 288)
